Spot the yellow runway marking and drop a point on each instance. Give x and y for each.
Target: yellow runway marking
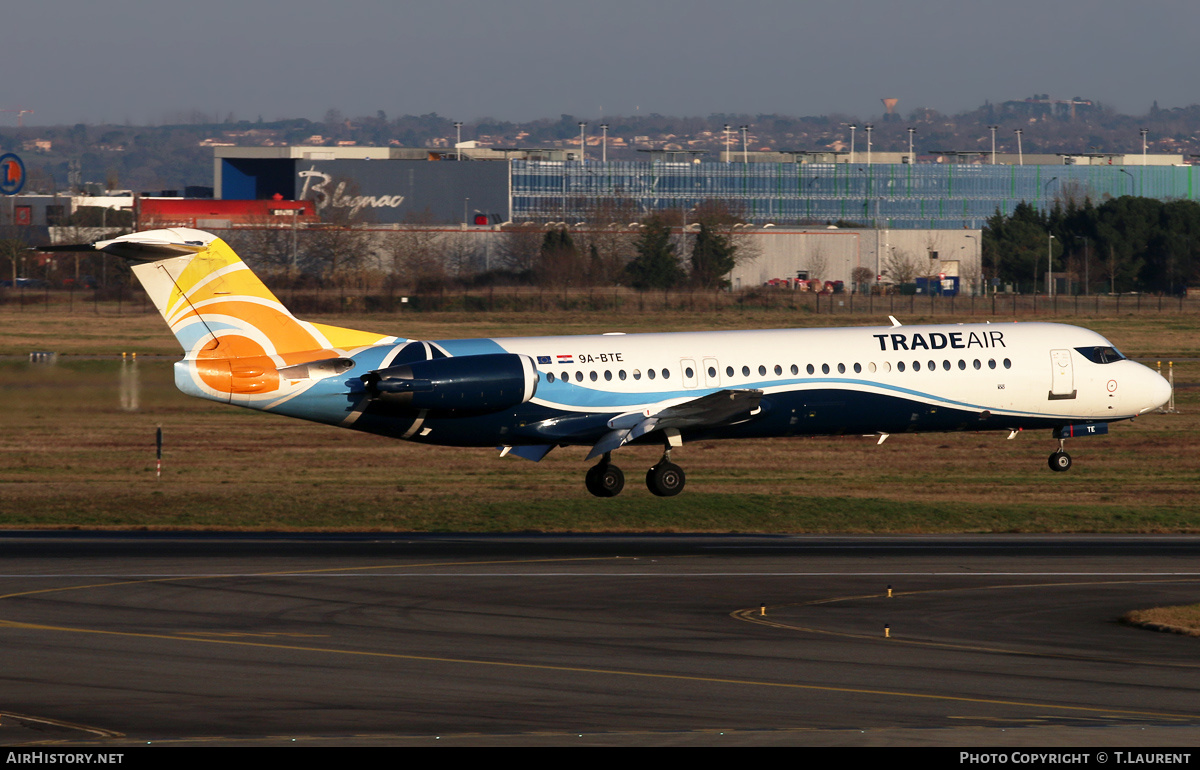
(604, 672)
(97, 731)
(286, 573)
(247, 633)
(739, 614)
(752, 615)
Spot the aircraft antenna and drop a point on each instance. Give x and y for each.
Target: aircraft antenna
(189, 301)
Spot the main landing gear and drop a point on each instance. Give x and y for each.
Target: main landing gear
(1060, 461)
(665, 479)
(605, 479)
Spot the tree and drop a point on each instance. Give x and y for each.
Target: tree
(559, 262)
(656, 266)
(712, 258)
(415, 252)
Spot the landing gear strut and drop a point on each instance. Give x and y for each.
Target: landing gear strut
(666, 479)
(605, 479)
(1060, 461)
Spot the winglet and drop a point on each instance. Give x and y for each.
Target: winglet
(895, 323)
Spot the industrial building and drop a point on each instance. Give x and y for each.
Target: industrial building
(394, 186)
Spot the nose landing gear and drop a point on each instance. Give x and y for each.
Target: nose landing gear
(1060, 461)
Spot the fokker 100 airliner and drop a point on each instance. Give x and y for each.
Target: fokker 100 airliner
(528, 395)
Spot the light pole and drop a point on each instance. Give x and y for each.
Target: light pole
(868, 127)
(1144, 131)
(993, 129)
(1020, 154)
(1049, 268)
(745, 145)
(604, 144)
(728, 159)
(1126, 173)
(978, 260)
(852, 127)
(911, 159)
(582, 151)
(458, 139)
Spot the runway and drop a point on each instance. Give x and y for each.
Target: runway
(233, 639)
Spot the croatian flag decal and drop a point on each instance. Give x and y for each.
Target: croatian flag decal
(566, 359)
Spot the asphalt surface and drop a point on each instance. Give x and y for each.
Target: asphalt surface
(214, 639)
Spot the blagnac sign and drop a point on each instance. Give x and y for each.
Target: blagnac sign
(338, 198)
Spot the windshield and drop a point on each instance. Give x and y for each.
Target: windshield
(1101, 354)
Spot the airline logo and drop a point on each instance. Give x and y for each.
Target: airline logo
(941, 340)
(12, 174)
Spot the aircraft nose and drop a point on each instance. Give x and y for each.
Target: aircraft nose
(1156, 389)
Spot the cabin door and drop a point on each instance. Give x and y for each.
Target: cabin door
(1062, 378)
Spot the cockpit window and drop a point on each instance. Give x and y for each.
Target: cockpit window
(1101, 354)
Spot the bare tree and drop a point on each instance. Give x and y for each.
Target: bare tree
(817, 265)
(413, 254)
(902, 266)
(520, 246)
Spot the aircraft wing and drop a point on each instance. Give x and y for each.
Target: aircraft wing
(720, 408)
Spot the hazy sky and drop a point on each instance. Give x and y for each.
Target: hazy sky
(151, 60)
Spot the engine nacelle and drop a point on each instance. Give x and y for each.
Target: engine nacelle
(456, 385)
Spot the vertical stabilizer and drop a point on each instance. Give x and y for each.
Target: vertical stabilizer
(218, 308)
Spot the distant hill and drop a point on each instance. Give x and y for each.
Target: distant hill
(170, 157)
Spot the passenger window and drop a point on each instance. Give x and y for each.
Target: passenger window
(795, 369)
(666, 373)
(858, 368)
(778, 369)
(899, 366)
(745, 371)
(593, 376)
(1007, 364)
(841, 368)
(550, 377)
(621, 374)
(578, 376)
(607, 376)
(977, 365)
(650, 373)
(991, 363)
(729, 371)
(712, 371)
(824, 368)
(946, 364)
(811, 370)
(637, 374)
(916, 366)
(688, 373)
(962, 365)
(762, 371)
(933, 366)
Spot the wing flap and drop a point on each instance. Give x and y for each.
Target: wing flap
(715, 409)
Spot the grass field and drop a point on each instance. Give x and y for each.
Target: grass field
(76, 452)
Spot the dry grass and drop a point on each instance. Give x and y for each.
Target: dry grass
(1184, 619)
(72, 456)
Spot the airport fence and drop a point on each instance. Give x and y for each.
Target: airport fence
(127, 299)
